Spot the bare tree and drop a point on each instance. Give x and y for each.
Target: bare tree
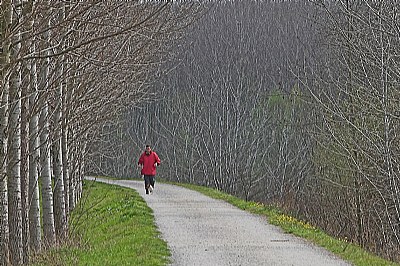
(14, 145)
(5, 60)
(34, 206)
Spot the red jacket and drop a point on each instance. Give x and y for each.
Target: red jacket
(148, 162)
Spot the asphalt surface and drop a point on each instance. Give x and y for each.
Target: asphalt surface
(203, 231)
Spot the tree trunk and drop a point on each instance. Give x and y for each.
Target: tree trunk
(34, 208)
(65, 155)
(59, 196)
(47, 192)
(24, 163)
(14, 153)
(4, 59)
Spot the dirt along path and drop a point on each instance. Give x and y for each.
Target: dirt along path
(203, 231)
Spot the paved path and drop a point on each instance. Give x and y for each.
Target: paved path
(204, 231)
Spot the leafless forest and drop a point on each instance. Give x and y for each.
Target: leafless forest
(293, 103)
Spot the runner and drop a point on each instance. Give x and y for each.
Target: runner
(148, 161)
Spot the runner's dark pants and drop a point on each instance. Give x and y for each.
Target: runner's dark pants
(148, 181)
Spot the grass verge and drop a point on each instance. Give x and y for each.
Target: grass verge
(346, 250)
(111, 226)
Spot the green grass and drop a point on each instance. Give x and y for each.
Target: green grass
(112, 226)
(346, 250)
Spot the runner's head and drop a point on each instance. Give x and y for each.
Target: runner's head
(148, 149)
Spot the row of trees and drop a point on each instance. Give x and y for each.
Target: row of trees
(67, 68)
(287, 102)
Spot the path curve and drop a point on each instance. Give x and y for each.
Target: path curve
(203, 231)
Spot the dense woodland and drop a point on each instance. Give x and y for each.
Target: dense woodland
(291, 103)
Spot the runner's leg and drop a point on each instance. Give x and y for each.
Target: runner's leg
(146, 183)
